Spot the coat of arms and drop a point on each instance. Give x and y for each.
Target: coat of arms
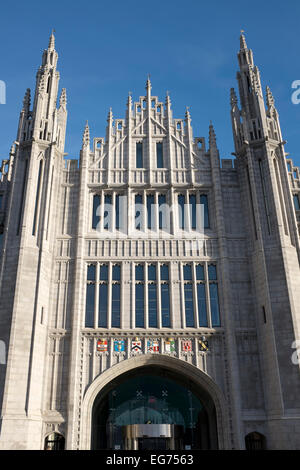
(152, 346)
(203, 344)
(186, 345)
(102, 345)
(119, 345)
(170, 345)
(136, 346)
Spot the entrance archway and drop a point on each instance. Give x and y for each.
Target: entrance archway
(199, 420)
(153, 408)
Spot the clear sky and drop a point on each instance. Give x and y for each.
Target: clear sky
(106, 49)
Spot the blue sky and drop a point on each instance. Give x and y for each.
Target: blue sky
(106, 49)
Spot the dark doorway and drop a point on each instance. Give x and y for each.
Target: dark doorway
(158, 397)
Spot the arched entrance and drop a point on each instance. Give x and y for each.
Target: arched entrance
(185, 375)
(153, 408)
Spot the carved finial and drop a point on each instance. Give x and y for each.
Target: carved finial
(187, 114)
(148, 83)
(233, 97)
(269, 98)
(110, 115)
(26, 100)
(86, 136)
(63, 98)
(243, 44)
(51, 45)
(212, 136)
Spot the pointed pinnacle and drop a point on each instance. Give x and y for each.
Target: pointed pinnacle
(233, 97)
(269, 98)
(168, 100)
(110, 115)
(63, 98)
(51, 45)
(148, 83)
(187, 114)
(212, 136)
(86, 136)
(26, 100)
(243, 44)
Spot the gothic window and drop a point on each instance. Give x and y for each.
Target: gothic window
(139, 296)
(214, 295)
(165, 296)
(197, 288)
(96, 209)
(150, 211)
(107, 279)
(139, 212)
(103, 296)
(188, 296)
(159, 155)
(90, 296)
(181, 204)
(152, 296)
(201, 295)
(139, 155)
(204, 201)
(54, 441)
(163, 212)
(116, 296)
(192, 206)
(296, 202)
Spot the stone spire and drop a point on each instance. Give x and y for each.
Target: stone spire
(51, 46)
(212, 136)
(86, 136)
(26, 100)
(243, 44)
(187, 115)
(233, 97)
(269, 98)
(63, 98)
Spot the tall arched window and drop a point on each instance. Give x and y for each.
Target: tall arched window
(54, 441)
(255, 441)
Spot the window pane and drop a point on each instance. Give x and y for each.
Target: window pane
(165, 306)
(200, 272)
(212, 272)
(91, 273)
(96, 208)
(204, 201)
(162, 212)
(150, 207)
(152, 272)
(104, 272)
(181, 201)
(139, 155)
(1, 198)
(192, 207)
(139, 272)
(152, 305)
(90, 305)
(296, 202)
(187, 272)
(139, 305)
(102, 320)
(214, 304)
(138, 211)
(115, 306)
(164, 272)
(159, 155)
(201, 305)
(107, 223)
(116, 272)
(189, 305)
(117, 211)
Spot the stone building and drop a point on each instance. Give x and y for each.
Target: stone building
(149, 292)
